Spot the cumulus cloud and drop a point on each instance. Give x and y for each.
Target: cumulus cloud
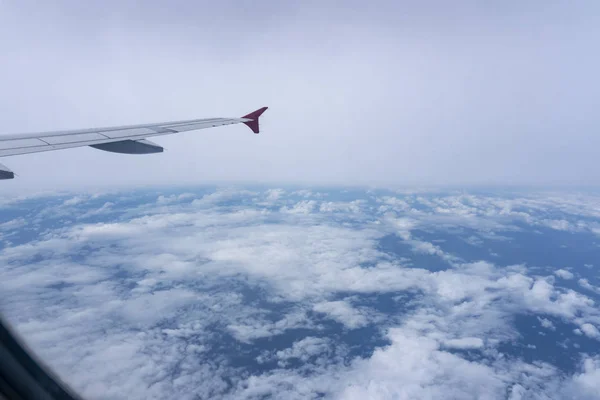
(302, 207)
(561, 273)
(256, 328)
(351, 206)
(425, 371)
(162, 199)
(342, 312)
(235, 292)
(274, 194)
(12, 224)
(464, 343)
(587, 383)
(74, 201)
(304, 349)
(590, 330)
(222, 195)
(546, 323)
(560, 225)
(105, 208)
(584, 283)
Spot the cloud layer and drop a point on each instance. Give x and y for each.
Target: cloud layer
(246, 293)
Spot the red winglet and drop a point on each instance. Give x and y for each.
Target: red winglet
(254, 117)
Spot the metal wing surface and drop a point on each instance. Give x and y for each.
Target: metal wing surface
(130, 139)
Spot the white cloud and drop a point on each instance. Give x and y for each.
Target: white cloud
(584, 283)
(73, 201)
(222, 195)
(590, 331)
(105, 208)
(474, 241)
(342, 312)
(587, 383)
(560, 225)
(546, 323)
(301, 207)
(306, 193)
(562, 273)
(350, 206)
(394, 203)
(255, 328)
(163, 200)
(13, 224)
(423, 372)
(155, 291)
(274, 194)
(464, 343)
(304, 349)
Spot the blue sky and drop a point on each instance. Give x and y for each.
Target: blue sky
(390, 93)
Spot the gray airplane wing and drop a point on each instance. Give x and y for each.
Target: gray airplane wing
(130, 139)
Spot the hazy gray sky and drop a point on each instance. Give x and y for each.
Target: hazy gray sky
(387, 93)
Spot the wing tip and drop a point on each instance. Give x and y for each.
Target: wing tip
(253, 117)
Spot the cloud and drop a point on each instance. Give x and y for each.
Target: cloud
(106, 207)
(584, 283)
(424, 372)
(232, 296)
(12, 224)
(587, 383)
(274, 194)
(546, 323)
(304, 350)
(256, 328)
(302, 207)
(351, 206)
(74, 201)
(561, 273)
(590, 330)
(220, 196)
(464, 343)
(560, 225)
(174, 198)
(342, 312)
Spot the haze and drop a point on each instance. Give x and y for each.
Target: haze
(360, 93)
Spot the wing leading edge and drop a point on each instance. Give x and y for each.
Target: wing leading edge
(130, 139)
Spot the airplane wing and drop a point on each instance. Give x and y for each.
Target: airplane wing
(130, 139)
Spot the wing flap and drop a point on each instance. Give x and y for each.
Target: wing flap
(127, 133)
(20, 143)
(82, 137)
(24, 150)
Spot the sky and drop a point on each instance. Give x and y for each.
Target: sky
(386, 93)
